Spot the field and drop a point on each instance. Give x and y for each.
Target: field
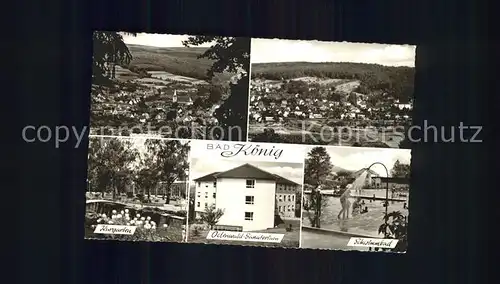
(181, 61)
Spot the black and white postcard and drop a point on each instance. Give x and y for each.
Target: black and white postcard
(245, 194)
(254, 142)
(331, 93)
(356, 198)
(174, 86)
(137, 189)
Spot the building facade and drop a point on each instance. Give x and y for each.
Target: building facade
(286, 193)
(249, 196)
(394, 183)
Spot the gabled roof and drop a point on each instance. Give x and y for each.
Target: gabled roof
(246, 171)
(282, 180)
(209, 177)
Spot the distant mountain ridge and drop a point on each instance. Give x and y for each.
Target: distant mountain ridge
(395, 81)
(337, 169)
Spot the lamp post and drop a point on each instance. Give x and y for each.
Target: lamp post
(386, 188)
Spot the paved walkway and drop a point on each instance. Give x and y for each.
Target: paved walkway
(326, 241)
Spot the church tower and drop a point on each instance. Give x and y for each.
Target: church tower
(174, 97)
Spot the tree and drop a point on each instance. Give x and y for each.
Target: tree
(353, 98)
(344, 173)
(269, 135)
(298, 203)
(405, 143)
(230, 54)
(212, 215)
(215, 94)
(171, 115)
(108, 50)
(147, 179)
(317, 166)
(400, 170)
(395, 226)
(198, 103)
(170, 161)
(336, 97)
(317, 203)
(109, 161)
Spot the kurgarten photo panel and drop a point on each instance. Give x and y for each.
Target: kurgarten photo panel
(173, 86)
(137, 189)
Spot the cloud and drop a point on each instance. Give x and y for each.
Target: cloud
(201, 167)
(354, 159)
(278, 50)
(158, 40)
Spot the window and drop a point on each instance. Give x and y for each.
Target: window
(206, 185)
(280, 197)
(249, 216)
(293, 197)
(249, 199)
(215, 184)
(289, 198)
(206, 194)
(199, 184)
(279, 208)
(213, 195)
(198, 204)
(250, 183)
(206, 205)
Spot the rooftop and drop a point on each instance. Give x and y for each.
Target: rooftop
(246, 171)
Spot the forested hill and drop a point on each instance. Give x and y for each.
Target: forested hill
(182, 61)
(397, 81)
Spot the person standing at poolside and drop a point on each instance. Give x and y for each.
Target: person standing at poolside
(345, 203)
(316, 194)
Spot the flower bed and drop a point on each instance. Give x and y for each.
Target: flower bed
(146, 228)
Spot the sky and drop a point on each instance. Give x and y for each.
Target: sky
(279, 50)
(158, 40)
(354, 158)
(201, 167)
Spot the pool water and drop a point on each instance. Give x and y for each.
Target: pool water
(366, 223)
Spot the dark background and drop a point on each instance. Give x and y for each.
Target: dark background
(447, 223)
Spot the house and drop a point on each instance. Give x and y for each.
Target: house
(248, 195)
(402, 106)
(394, 182)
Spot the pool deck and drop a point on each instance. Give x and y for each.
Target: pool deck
(335, 232)
(314, 238)
(361, 196)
